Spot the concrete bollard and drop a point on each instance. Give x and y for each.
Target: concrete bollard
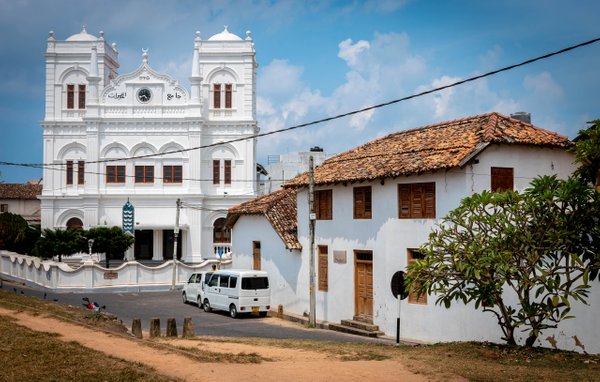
(171, 327)
(155, 327)
(136, 327)
(279, 311)
(188, 327)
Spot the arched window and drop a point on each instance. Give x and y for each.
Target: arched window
(74, 223)
(221, 234)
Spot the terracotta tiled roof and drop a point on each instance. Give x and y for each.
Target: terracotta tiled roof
(429, 148)
(279, 208)
(20, 191)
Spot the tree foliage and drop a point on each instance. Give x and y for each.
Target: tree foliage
(111, 241)
(61, 242)
(12, 229)
(587, 153)
(524, 257)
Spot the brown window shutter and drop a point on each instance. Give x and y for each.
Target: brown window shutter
(217, 96)
(69, 172)
(81, 97)
(414, 297)
(417, 201)
(429, 196)
(323, 268)
(404, 200)
(359, 205)
(70, 96)
(227, 167)
(216, 171)
(502, 179)
(80, 172)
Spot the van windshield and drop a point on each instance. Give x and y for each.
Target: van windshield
(255, 283)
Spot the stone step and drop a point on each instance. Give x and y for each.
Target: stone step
(353, 330)
(365, 319)
(361, 325)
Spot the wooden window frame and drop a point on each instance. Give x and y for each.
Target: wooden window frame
(173, 174)
(69, 172)
(416, 200)
(81, 97)
(216, 171)
(323, 268)
(412, 255)
(70, 96)
(146, 174)
(227, 171)
(216, 96)
(363, 202)
(81, 172)
(324, 204)
(115, 174)
(228, 95)
(4, 207)
(502, 179)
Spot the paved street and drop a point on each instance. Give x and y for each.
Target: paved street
(163, 305)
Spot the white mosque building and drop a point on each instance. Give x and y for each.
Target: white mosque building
(110, 139)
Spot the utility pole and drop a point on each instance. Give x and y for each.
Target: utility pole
(311, 227)
(175, 237)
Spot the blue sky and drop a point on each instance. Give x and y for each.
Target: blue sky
(320, 58)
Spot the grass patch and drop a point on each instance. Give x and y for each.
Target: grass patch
(27, 355)
(202, 355)
(335, 350)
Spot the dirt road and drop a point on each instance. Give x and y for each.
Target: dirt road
(285, 364)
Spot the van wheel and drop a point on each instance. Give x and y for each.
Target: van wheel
(200, 305)
(206, 305)
(233, 311)
(262, 314)
(184, 297)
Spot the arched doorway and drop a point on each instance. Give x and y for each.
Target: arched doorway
(74, 223)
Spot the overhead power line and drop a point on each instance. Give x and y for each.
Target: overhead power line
(338, 116)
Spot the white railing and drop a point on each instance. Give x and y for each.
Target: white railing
(224, 249)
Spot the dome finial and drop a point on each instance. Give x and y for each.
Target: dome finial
(225, 28)
(83, 29)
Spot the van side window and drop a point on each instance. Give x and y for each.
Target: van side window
(207, 277)
(232, 281)
(192, 278)
(224, 283)
(214, 281)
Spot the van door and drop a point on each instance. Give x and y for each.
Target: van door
(212, 291)
(223, 297)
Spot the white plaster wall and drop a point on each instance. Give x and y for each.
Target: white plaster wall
(282, 265)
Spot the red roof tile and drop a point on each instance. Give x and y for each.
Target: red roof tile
(20, 191)
(279, 208)
(429, 148)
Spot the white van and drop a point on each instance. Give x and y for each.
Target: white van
(193, 290)
(238, 291)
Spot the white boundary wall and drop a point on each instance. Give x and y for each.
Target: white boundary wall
(129, 277)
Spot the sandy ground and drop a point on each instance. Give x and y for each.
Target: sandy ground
(286, 364)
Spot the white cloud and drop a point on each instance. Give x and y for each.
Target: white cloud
(350, 52)
(264, 106)
(543, 85)
(442, 98)
(280, 78)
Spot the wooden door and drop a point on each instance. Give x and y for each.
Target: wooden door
(363, 284)
(256, 255)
